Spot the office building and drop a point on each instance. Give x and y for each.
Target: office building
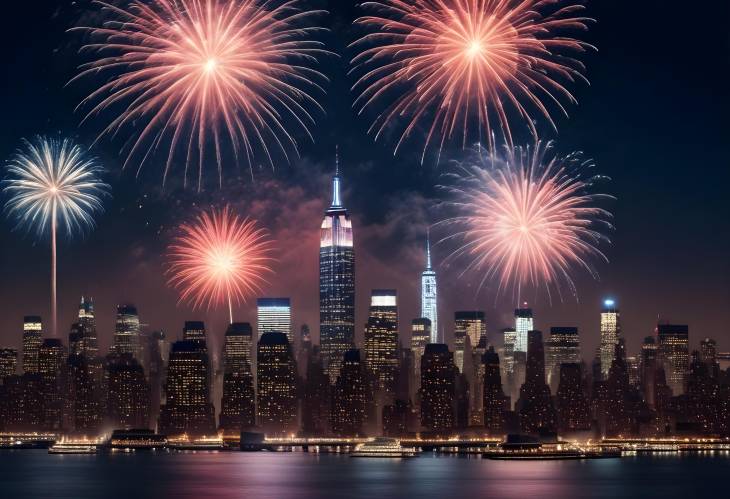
(274, 316)
(381, 338)
(276, 384)
(562, 347)
(32, 333)
(673, 352)
(610, 334)
(127, 332)
(336, 282)
(429, 294)
(438, 388)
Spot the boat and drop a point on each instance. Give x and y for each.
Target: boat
(72, 448)
(383, 447)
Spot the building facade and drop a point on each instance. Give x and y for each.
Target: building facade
(610, 334)
(429, 294)
(336, 283)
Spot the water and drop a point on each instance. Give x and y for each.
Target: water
(36, 474)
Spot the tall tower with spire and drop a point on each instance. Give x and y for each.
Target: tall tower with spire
(429, 293)
(336, 282)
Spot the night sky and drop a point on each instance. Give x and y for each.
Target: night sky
(654, 118)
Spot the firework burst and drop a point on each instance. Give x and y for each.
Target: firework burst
(52, 183)
(527, 219)
(219, 258)
(199, 74)
(456, 65)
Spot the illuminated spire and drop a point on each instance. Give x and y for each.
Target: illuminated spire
(336, 199)
(428, 249)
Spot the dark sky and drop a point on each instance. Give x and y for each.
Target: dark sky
(654, 118)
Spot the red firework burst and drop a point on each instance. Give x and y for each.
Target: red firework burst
(219, 258)
(453, 65)
(193, 72)
(527, 219)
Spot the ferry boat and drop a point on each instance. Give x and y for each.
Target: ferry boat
(383, 447)
(72, 448)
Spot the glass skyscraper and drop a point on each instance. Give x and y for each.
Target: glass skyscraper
(523, 324)
(336, 283)
(274, 316)
(429, 294)
(126, 332)
(610, 334)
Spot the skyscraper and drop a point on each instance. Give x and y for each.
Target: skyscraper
(274, 316)
(239, 400)
(187, 407)
(563, 347)
(126, 332)
(336, 283)
(572, 404)
(673, 352)
(8, 362)
(648, 370)
(610, 334)
(438, 388)
(429, 294)
(129, 392)
(51, 358)
(32, 332)
(381, 338)
(276, 382)
(194, 331)
(348, 401)
(89, 342)
(536, 410)
(467, 325)
(420, 337)
(523, 323)
(495, 402)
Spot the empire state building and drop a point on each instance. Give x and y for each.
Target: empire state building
(336, 283)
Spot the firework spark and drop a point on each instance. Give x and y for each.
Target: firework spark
(451, 65)
(235, 74)
(53, 182)
(527, 219)
(219, 258)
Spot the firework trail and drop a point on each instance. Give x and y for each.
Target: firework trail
(205, 74)
(455, 65)
(53, 184)
(527, 219)
(219, 258)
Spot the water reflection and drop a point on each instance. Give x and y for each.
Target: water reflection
(35, 474)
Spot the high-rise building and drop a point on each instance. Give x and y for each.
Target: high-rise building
(274, 316)
(438, 389)
(89, 342)
(32, 332)
(509, 373)
(673, 343)
(648, 370)
(276, 384)
(381, 338)
(524, 322)
(336, 283)
(126, 332)
(420, 337)
(349, 397)
(467, 325)
(708, 355)
(239, 400)
(194, 331)
(51, 363)
(429, 294)
(535, 407)
(129, 392)
(563, 347)
(187, 407)
(85, 412)
(610, 334)
(572, 404)
(316, 400)
(495, 402)
(8, 362)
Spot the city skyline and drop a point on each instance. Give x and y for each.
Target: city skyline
(680, 283)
